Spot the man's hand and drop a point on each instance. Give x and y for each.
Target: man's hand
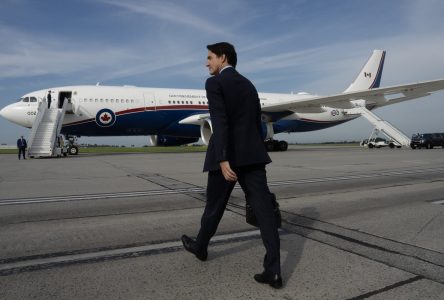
(228, 173)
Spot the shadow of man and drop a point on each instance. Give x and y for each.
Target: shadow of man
(300, 225)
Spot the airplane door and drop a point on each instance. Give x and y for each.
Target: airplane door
(150, 101)
(65, 96)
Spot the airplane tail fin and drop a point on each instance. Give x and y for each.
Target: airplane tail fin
(370, 75)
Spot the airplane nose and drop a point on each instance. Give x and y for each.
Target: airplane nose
(11, 113)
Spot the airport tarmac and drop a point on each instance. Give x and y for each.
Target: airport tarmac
(357, 224)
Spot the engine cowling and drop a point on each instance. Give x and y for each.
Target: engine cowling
(166, 140)
(267, 130)
(206, 130)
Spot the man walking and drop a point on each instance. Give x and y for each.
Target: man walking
(236, 152)
(21, 145)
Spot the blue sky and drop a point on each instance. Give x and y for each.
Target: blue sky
(283, 46)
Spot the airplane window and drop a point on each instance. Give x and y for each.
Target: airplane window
(132, 101)
(96, 100)
(26, 99)
(182, 102)
(33, 99)
(127, 101)
(101, 100)
(121, 101)
(186, 102)
(90, 100)
(112, 100)
(106, 100)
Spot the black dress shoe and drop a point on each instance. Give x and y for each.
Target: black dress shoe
(275, 281)
(190, 245)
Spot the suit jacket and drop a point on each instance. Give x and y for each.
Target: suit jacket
(235, 113)
(21, 144)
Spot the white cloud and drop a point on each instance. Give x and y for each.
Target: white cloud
(169, 12)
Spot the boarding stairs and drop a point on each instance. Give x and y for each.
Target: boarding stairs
(42, 141)
(382, 126)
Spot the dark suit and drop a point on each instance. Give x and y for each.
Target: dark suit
(21, 145)
(236, 120)
(49, 100)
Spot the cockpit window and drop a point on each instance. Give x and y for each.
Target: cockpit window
(26, 99)
(33, 99)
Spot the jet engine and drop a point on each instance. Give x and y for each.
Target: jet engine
(206, 130)
(165, 140)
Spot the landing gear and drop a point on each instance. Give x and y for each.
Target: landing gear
(274, 145)
(270, 143)
(73, 148)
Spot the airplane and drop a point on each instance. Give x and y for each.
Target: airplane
(181, 116)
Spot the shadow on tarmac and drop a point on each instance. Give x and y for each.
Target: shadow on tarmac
(293, 247)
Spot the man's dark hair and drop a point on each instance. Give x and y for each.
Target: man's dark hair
(224, 48)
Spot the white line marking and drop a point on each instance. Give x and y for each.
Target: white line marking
(71, 258)
(198, 189)
(438, 202)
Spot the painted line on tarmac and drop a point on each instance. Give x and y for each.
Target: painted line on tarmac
(54, 260)
(438, 202)
(18, 201)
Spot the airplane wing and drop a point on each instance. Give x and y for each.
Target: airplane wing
(377, 96)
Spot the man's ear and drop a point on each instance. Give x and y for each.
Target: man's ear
(224, 58)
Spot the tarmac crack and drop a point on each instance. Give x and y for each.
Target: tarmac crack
(387, 288)
(428, 222)
(413, 259)
(102, 215)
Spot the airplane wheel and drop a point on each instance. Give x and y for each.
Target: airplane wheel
(73, 150)
(391, 145)
(370, 146)
(283, 146)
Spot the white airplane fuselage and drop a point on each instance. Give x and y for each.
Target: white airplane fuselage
(182, 115)
(129, 110)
